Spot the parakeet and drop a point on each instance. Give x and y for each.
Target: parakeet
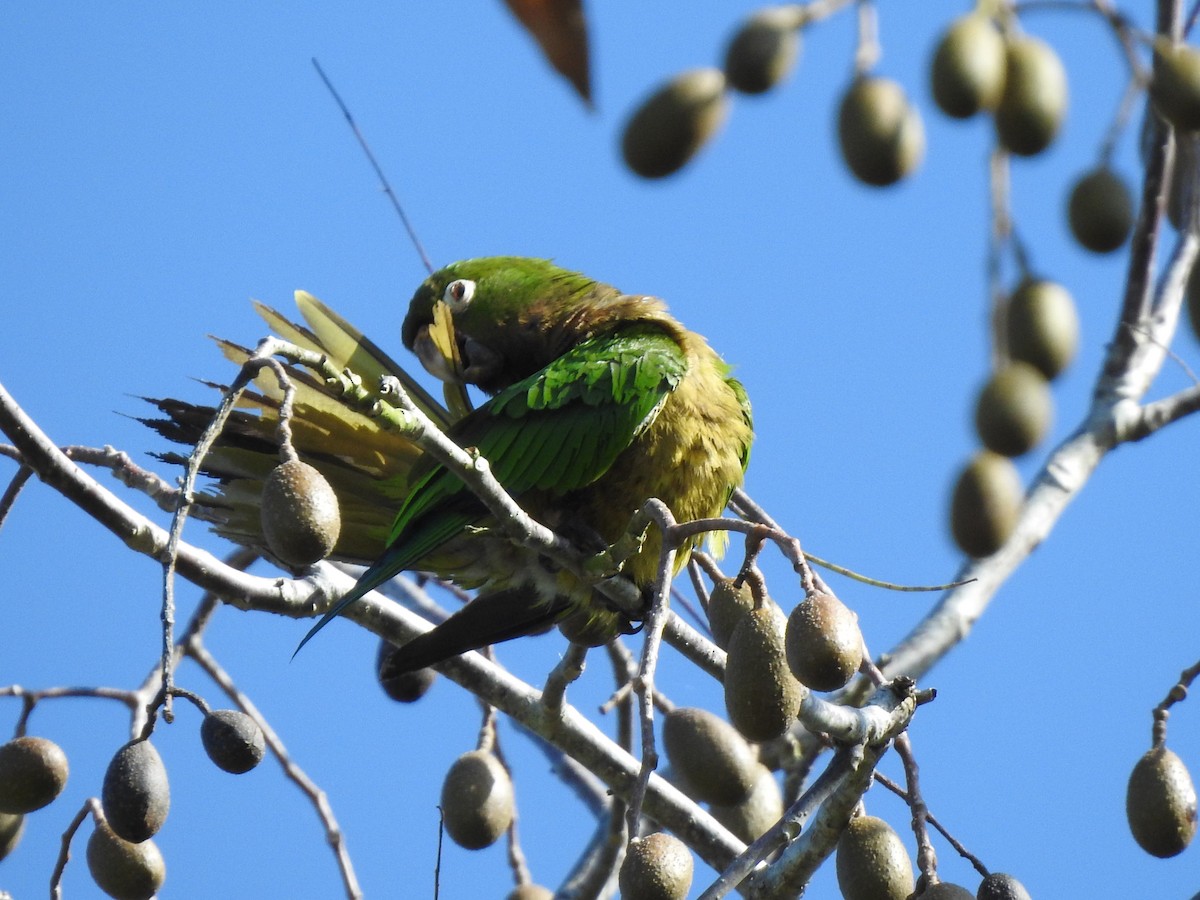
(599, 401)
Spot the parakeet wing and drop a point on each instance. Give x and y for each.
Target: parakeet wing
(558, 430)
(349, 348)
(368, 466)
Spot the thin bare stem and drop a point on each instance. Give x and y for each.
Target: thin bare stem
(90, 806)
(868, 51)
(262, 358)
(19, 480)
(643, 683)
(962, 851)
(926, 855)
(999, 235)
(1177, 694)
(130, 699)
(366, 148)
(196, 650)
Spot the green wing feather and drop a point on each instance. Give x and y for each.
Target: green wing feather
(561, 428)
(558, 430)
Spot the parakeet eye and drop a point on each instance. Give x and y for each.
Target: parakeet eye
(458, 294)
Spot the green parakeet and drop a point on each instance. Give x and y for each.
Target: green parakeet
(599, 401)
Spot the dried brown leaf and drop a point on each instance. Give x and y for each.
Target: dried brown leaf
(560, 28)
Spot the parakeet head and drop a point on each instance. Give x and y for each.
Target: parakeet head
(512, 316)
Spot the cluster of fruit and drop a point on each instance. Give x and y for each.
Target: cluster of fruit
(880, 132)
(772, 661)
(1013, 412)
(674, 122)
(1020, 80)
(873, 864)
(134, 798)
(477, 808)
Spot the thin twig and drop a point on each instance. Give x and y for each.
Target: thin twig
(962, 851)
(19, 480)
(516, 856)
(262, 358)
(643, 683)
(387, 187)
(926, 855)
(1130, 366)
(999, 235)
(196, 651)
(1177, 694)
(868, 50)
(90, 806)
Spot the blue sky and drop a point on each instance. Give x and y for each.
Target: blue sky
(160, 166)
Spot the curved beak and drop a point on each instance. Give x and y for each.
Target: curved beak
(471, 363)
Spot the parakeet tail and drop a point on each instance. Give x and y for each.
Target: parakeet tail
(488, 619)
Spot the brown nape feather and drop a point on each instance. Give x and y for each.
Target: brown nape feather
(542, 333)
(488, 619)
(604, 310)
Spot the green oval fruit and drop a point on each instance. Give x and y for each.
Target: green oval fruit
(1014, 409)
(761, 695)
(872, 863)
(405, 687)
(33, 771)
(232, 740)
(726, 605)
(1042, 326)
(1160, 804)
(985, 504)
(967, 73)
(300, 516)
(880, 133)
(135, 795)
(12, 826)
(674, 122)
(1034, 100)
(714, 760)
(1100, 211)
(122, 869)
(656, 867)
(824, 644)
(1175, 86)
(750, 818)
(999, 886)
(763, 51)
(477, 800)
